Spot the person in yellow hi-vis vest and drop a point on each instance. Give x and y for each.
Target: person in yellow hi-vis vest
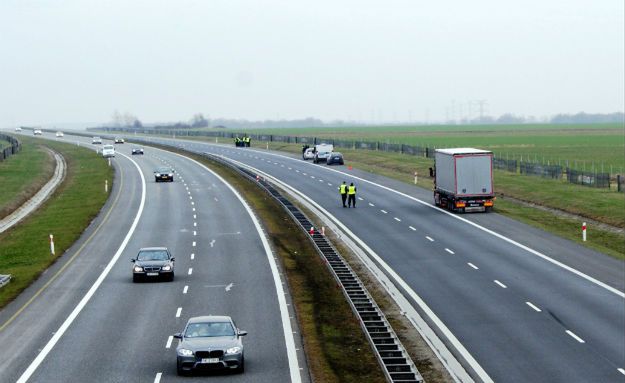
(343, 192)
(351, 195)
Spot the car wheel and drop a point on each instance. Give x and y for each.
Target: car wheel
(171, 277)
(180, 371)
(155, 179)
(135, 278)
(241, 368)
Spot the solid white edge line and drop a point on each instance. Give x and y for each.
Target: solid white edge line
(530, 304)
(472, 265)
(500, 284)
(621, 370)
(482, 228)
(83, 302)
(158, 376)
(580, 340)
(169, 340)
(457, 370)
(294, 369)
(178, 312)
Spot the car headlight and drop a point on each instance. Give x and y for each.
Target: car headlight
(185, 352)
(138, 268)
(166, 268)
(233, 350)
(171, 174)
(157, 174)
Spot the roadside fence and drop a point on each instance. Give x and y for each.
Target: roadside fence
(15, 147)
(536, 168)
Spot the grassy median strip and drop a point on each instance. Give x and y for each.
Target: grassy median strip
(25, 249)
(336, 348)
(23, 174)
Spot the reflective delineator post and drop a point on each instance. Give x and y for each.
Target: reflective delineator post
(323, 230)
(109, 162)
(106, 186)
(416, 175)
(584, 231)
(312, 230)
(51, 244)
(257, 177)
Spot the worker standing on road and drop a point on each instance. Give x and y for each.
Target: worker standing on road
(343, 192)
(351, 195)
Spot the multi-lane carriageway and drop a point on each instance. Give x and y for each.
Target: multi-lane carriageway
(511, 303)
(85, 321)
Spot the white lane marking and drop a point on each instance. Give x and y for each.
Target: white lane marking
(530, 304)
(169, 340)
(312, 177)
(429, 238)
(412, 228)
(193, 209)
(190, 197)
(290, 168)
(190, 270)
(212, 243)
(305, 174)
(194, 224)
(189, 193)
(473, 266)
(157, 379)
(449, 251)
(580, 340)
(320, 180)
(216, 200)
(329, 184)
(83, 302)
(192, 256)
(193, 244)
(194, 216)
(192, 203)
(500, 284)
(194, 232)
(360, 199)
(294, 369)
(384, 211)
(397, 219)
(370, 204)
(297, 171)
(185, 290)
(464, 220)
(229, 286)
(621, 370)
(179, 311)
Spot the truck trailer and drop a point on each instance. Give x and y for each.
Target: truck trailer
(463, 179)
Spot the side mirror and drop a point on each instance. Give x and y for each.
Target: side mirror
(133, 260)
(241, 333)
(178, 335)
(172, 259)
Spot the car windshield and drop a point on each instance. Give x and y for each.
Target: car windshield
(153, 255)
(211, 329)
(163, 170)
(107, 147)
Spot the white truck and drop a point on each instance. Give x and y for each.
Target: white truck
(463, 179)
(322, 152)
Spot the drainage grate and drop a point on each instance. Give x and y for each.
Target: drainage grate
(391, 354)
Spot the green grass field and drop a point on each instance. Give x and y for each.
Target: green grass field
(24, 249)
(23, 174)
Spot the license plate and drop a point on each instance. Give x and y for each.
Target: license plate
(151, 274)
(210, 360)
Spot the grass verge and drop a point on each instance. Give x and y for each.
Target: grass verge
(24, 249)
(23, 174)
(335, 345)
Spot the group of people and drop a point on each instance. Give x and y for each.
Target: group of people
(242, 142)
(348, 193)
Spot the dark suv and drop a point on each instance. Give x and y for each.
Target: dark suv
(153, 263)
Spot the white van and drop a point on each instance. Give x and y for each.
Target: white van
(108, 151)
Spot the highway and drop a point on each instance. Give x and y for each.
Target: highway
(85, 320)
(526, 305)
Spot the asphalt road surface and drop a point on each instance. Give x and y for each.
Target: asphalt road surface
(123, 331)
(528, 306)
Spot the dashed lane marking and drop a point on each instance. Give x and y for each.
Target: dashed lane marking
(178, 312)
(412, 228)
(397, 219)
(360, 199)
(473, 266)
(193, 244)
(384, 211)
(190, 270)
(580, 340)
(429, 238)
(622, 371)
(169, 340)
(157, 379)
(449, 251)
(532, 306)
(185, 290)
(500, 284)
(192, 255)
(370, 204)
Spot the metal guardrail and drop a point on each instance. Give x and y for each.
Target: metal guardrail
(389, 351)
(15, 147)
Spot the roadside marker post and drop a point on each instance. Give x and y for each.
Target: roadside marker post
(109, 162)
(106, 186)
(323, 230)
(584, 231)
(51, 244)
(416, 175)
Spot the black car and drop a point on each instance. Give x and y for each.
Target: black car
(137, 151)
(153, 263)
(119, 140)
(164, 174)
(335, 158)
(210, 343)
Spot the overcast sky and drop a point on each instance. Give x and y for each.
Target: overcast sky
(80, 60)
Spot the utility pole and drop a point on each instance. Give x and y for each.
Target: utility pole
(482, 104)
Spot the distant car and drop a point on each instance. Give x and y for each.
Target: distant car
(309, 154)
(37, 132)
(18, 129)
(210, 343)
(96, 141)
(108, 151)
(137, 151)
(153, 263)
(164, 174)
(119, 140)
(59, 134)
(335, 158)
